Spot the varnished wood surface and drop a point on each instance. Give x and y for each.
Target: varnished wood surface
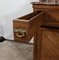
(45, 7)
(50, 45)
(53, 16)
(52, 19)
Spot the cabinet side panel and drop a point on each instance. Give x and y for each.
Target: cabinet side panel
(50, 45)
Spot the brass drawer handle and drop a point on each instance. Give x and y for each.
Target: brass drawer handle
(20, 33)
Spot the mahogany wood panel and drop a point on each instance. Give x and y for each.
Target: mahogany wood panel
(50, 45)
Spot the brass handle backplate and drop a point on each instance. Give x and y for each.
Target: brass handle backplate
(20, 33)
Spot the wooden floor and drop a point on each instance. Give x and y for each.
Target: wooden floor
(15, 51)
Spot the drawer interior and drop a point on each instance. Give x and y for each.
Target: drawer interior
(29, 16)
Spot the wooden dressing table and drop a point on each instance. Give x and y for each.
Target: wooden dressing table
(47, 39)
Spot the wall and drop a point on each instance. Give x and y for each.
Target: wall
(9, 10)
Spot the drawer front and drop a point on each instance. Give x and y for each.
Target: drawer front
(51, 8)
(52, 18)
(20, 24)
(46, 7)
(29, 24)
(23, 26)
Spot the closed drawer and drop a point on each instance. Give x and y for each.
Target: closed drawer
(52, 18)
(25, 27)
(46, 7)
(51, 8)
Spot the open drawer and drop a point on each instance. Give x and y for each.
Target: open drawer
(25, 27)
